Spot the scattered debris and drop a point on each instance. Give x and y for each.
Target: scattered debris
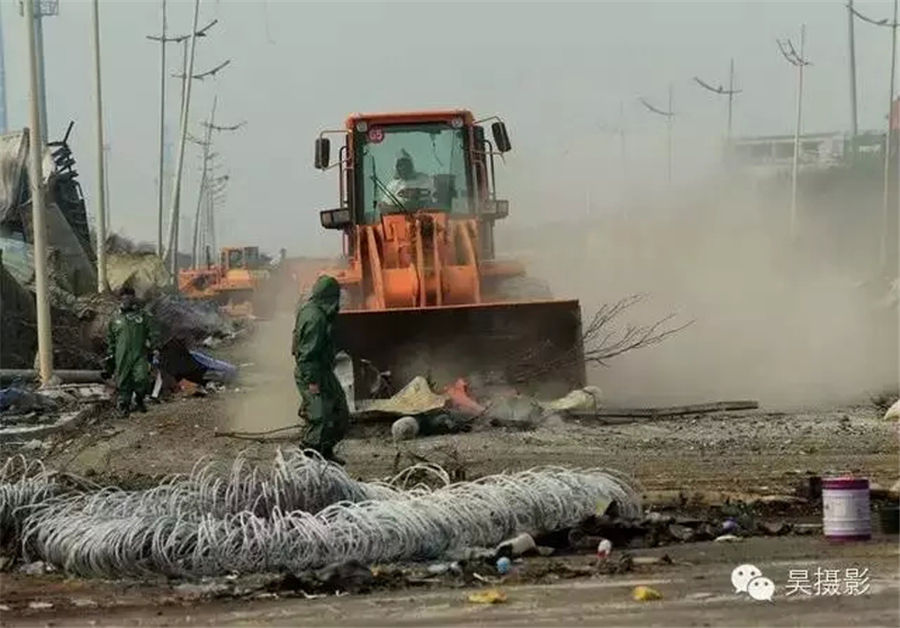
(680, 532)
(406, 428)
(517, 546)
(645, 594)
(40, 606)
(728, 538)
(585, 399)
(609, 415)
(490, 596)
(604, 549)
(413, 399)
(893, 413)
(776, 528)
(203, 589)
(215, 370)
(652, 560)
(36, 568)
(438, 569)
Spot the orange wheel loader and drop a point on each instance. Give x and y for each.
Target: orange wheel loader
(238, 284)
(422, 290)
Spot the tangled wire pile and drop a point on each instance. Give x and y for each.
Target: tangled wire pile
(23, 484)
(254, 521)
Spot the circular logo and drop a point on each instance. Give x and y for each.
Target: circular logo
(375, 135)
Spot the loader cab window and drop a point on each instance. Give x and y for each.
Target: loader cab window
(252, 257)
(235, 259)
(412, 167)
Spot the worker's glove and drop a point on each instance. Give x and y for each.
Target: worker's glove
(154, 358)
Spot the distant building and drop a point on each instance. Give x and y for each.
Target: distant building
(772, 154)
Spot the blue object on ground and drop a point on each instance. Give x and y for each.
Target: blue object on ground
(215, 369)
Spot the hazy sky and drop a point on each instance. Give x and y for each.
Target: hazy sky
(556, 72)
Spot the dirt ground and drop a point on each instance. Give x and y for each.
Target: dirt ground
(757, 452)
(696, 591)
(747, 455)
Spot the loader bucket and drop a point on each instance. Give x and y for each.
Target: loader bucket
(534, 346)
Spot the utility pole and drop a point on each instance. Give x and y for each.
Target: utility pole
(721, 91)
(731, 93)
(669, 122)
(162, 131)
(106, 150)
(885, 212)
(207, 182)
(854, 121)
(36, 178)
(203, 182)
(622, 145)
(173, 224)
(163, 39)
(3, 117)
(40, 10)
(799, 61)
(669, 116)
(620, 132)
(102, 284)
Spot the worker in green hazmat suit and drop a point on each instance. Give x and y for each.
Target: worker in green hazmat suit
(131, 344)
(324, 403)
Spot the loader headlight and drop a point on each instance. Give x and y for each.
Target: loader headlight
(336, 218)
(362, 126)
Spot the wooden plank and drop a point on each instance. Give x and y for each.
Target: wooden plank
(601, 414)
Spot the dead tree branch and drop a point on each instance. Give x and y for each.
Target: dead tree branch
(602, 340)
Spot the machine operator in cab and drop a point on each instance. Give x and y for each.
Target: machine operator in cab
(408, 189)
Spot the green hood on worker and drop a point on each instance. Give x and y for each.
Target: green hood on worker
(326, 293)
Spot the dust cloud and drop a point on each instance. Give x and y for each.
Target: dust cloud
(786, 322)
(791, 323)
(269, 399)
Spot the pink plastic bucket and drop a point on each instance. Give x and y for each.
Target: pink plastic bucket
(845, 509)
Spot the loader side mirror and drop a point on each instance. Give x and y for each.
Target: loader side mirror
(336, 218)
(501, 137)
(323, 153)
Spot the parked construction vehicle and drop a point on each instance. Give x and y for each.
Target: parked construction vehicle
(422, 289)
(237, 284)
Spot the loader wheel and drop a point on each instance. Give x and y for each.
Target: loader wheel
(523, 288)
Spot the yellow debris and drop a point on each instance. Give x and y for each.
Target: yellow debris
(645, 594)
(490, 596)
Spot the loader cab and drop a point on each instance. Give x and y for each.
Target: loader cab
(245, 258)
(412, 162)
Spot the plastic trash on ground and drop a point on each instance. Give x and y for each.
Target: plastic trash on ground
(583, 399)
(490, 596)
(645, 594)
(216, 370)
(415, 398)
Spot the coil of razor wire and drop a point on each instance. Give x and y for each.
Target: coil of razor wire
(304, 513)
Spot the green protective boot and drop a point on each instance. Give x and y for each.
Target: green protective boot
(123, 409)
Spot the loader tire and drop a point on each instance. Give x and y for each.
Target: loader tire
(524, 288)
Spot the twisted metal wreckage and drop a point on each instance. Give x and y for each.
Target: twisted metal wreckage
(300, 513)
